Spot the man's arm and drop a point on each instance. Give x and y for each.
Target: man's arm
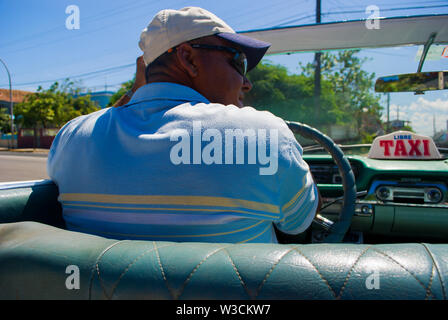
(140, 81)
(318, 194)
(300, 198)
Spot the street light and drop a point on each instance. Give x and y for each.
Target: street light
(11, 104)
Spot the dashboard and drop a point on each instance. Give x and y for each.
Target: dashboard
(396, 198)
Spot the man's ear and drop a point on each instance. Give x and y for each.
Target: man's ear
(187, 59)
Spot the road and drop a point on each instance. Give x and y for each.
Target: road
(15, 166)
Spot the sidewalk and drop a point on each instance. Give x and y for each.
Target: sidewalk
(37, 151)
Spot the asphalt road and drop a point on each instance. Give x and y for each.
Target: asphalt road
(16, 166)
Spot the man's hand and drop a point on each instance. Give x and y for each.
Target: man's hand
(140, 80)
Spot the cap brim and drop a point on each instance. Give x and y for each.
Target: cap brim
(253, 49)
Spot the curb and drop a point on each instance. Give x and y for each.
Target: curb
(25, 152)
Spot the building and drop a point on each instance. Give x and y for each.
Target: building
(6, 140)
(42, 137)
(17, 97)
(441, 137)
(396, 125)
(102, 98)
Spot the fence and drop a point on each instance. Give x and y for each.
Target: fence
(43, 139)
(5, 140)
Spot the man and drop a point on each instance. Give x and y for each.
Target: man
(184, 160)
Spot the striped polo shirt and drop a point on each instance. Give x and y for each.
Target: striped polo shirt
(172, 166)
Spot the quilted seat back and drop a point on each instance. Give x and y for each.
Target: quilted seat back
(34, 261)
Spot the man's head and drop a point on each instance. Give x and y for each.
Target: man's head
(193, 47)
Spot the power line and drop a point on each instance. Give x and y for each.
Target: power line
(356, 11)
(77, 35)
(83, 75)
(390, 9)
(276, 6)
(61, 28)
(390, 5)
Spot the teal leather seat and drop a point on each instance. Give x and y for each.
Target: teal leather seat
(34, 258)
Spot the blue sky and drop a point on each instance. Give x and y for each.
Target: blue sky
(38, 48)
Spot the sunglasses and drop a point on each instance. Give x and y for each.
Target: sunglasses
(239, 60)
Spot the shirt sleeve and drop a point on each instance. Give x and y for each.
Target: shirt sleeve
(299, 196)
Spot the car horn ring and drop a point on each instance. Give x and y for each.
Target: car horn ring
(339, 228)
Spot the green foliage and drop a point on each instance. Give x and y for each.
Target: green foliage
(53, 107)
(125, 87)
(356, 101)
(347, 97)
(5, 121)
(290, 97)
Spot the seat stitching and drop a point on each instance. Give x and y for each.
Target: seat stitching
(411, 273)
(237, 273)
(163, 272)
(96, 268)
(318, 272)
(195, 269)
(129, 266)
(430, 283)
(350, 271)
(437, 269)
(268, 274)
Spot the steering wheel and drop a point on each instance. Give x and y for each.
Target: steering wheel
(336, 230)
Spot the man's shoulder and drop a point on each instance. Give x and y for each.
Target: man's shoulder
(85, 121)
(228, 116)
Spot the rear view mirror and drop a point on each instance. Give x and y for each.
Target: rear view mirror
(413, 82)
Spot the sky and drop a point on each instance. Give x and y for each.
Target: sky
(39, 49)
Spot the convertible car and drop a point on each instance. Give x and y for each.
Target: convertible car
(382, 232)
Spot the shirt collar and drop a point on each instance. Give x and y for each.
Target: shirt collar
(167, 91)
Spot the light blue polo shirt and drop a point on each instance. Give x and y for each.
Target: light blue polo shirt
(172, 166)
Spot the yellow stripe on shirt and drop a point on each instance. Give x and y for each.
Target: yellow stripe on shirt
(257, 235)
(296, 196)
(170, 200)
(172, 209)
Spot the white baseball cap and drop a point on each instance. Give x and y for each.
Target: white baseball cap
(170, 28)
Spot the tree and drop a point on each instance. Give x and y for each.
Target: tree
(5, 121)
(289, 96)
(125, 87)
(38, 109)
(347, 98)
(52, 107)
(353, 89)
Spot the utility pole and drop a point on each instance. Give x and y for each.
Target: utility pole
(11, 104)
(317, 70)
(434, 125)
(388, 108)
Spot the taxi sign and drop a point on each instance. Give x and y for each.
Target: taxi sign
(403, 145)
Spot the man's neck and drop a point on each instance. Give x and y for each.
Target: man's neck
(162, 77)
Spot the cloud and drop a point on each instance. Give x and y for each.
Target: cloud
(422, 114)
